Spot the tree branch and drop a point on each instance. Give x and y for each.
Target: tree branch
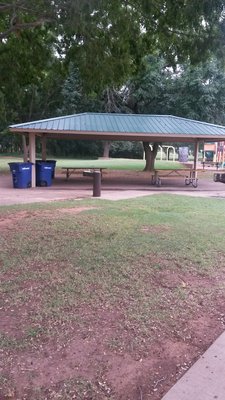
(26, 25)
(6, 7)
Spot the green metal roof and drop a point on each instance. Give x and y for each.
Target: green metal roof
(123, 126)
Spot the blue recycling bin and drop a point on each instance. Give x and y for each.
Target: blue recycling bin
(43, 173)
(52, 163)
(21, 174)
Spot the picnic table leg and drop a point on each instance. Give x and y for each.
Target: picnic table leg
(154, 178)
(194, 178)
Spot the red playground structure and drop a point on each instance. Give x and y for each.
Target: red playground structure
(214, 153)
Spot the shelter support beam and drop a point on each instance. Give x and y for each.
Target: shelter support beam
(43, 148)
(25, 148)
(32, 151)
(196, 150)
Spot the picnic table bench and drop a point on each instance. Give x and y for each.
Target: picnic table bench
(71, 170)
(219, 176)
(188, 174)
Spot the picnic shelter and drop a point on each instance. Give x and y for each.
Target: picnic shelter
(118, 127)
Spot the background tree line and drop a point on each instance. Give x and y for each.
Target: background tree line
(139, 56)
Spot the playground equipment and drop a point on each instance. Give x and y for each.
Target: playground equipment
(214, 153)
(166, 154)
(168, 149)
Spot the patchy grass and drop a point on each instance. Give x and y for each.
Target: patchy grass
(109, 281)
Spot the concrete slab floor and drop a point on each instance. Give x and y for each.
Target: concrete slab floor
(205, 380)
(116, 189)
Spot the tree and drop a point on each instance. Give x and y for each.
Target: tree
(148, 94)
(30, 78)
(19, 15)
(74, 100)
(105, 40)
(150, 155)
(112, 37)
(149, 90)
(108, 39)
(199, 93)
(196, 92)
(73, 97)
(112, 102)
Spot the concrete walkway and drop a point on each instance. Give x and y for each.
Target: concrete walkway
(76, 188)
(205, 380)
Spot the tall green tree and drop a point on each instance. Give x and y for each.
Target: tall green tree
(108, 39)
(111, 38)
(74, 100)
(199, 93)
(196, 92)
(17, 16)
(105, 40)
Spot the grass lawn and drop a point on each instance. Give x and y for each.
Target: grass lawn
(115, 164)
(108, 300)
(5, 160)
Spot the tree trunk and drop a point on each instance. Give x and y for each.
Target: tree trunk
(150, 155)
(106, 149)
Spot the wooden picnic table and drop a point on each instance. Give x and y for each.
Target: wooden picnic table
(219, 176)
(188, 174)
(71, 170)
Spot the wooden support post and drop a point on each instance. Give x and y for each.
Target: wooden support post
(25, 148)
(32, 151)
(97, 184)
(196, 154)
(223, 154)
(43, 148)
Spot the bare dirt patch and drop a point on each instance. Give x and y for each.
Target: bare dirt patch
(10, 221)
(99, 352)
(155, 229)
(76, 210)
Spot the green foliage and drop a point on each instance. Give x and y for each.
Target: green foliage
(192, 92)
(76, 149)
(150, 89)
(126, 149)
(199, 93)
(108, 39)
(72, 56)
(72, 93)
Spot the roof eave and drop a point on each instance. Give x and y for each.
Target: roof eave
(142, 136)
